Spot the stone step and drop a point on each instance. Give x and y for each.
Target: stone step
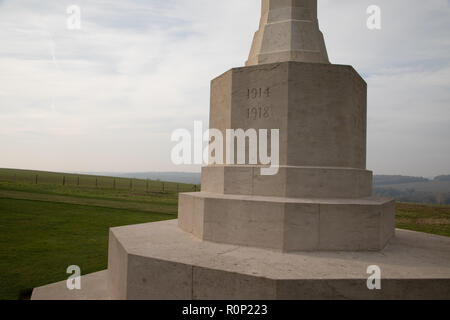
(288, 224)
(93, 287)
(290, 182)
(160, 261)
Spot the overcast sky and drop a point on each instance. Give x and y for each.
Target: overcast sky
(107, 97)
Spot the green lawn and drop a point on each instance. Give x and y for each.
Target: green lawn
(424, 218)
(49, 221)
(47, 227)
(40, 239)
(120, 199)
(54, 180)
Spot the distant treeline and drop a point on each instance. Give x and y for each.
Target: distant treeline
(411, 195)
(405, 188)
(384, 179)
(442, 178)
(396, 179)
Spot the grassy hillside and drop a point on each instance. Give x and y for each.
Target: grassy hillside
(40, 239)
(424, 218)
(90, 181)
(434, 186)
(414, 189)
(396, 179)
(46, 227)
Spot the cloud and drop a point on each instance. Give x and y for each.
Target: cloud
(407, 69)
(107, 97)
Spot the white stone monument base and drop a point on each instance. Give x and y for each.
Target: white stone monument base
(160, 261)
(289, 224)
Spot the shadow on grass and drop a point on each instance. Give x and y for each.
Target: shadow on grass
(25, 294)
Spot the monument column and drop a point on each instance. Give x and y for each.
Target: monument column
(288, 31)
(321, 197)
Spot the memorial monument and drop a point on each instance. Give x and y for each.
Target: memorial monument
(312, 230)
(321, 197)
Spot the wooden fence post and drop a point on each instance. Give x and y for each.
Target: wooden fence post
(36, 179)
(147, 185)
(64, 180)
(131, 184)
(163, 189)
(96, 182)
(114, 184)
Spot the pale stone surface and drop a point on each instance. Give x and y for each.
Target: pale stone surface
(93, 287)
(118, 268)
(292, 182)
(320, 110)
(288, 31)
(157, 280)
(167, 263)
(414, 266)
(288, 224)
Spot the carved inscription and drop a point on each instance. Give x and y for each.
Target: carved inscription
(258, 108)
(256, 93)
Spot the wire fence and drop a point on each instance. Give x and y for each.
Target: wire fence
(100, 182)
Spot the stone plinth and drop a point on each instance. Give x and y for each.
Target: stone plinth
(321, 197)
(288, 224)
(94, 287)
(160, 261)
(290, 182)
(320, 110)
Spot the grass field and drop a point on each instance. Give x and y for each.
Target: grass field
(424, 218)
(46, 227)
(43, 178)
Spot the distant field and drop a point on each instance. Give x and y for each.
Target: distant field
(427, 192)
(40, 239)
(48, 226)
(426, 186)
(91, 181)
(424, 218)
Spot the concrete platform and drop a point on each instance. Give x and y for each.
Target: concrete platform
(288, 224)
(160, 261)
(93, 287)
